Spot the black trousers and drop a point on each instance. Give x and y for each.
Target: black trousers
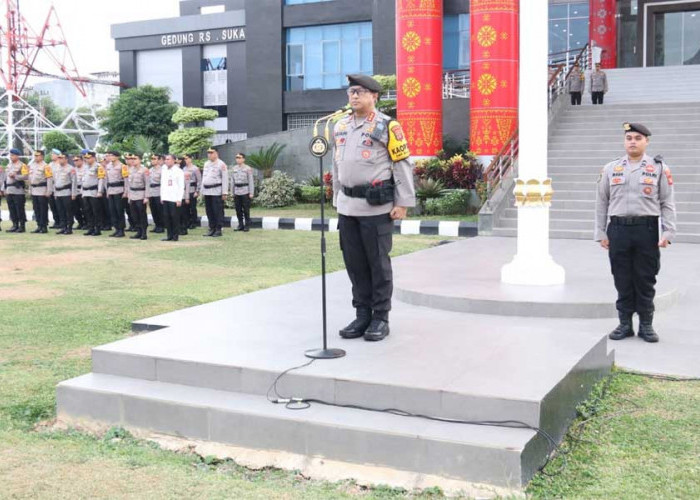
(15, 204)
(215, 211)
(106, 216)
(242, 202)
(54, 210)
(116, 210)
(156, 211)
(40, 205)
(78, 212)
(575, 98)
(597, 97)
(94, 213)
(171, 213)
(635, 261)
(64, 204)
(185, 213)
(366, 243)
(129, 215)
(192, 212)
(138, 212)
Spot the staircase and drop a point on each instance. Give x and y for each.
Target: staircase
(583, 139)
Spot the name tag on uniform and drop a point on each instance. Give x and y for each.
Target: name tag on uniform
(617, 178)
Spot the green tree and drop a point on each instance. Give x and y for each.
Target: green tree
(265, 158)
(388, 83)
(47, 107)
(58, 140)
(192, 138)
(145, 110)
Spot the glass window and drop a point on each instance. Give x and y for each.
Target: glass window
(319, 57)
(297, 2)
(455, 42)
(677, 38)
(568, 29)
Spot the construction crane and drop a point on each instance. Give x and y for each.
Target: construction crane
(21, 125)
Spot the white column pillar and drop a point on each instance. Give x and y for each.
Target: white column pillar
(533, 265)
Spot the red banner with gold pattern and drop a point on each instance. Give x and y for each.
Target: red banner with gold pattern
(419, 74)
(603, 30)
(494, 74)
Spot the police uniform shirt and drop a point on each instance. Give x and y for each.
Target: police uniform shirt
(79, 174)
(633, 190)
(599, 81)
(20, 172)
(155, 173)
(242, 180)
(65, 181)
(193, 179)
(93, 180)
(360, 160)
(577, 81)
(216, 177)
(116, 173)
(2, 179)
(40, 179)
(138, 184)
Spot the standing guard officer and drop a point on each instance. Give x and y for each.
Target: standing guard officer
(2, 191)
(634, 191)
(154, 193)
(576, 84)
(116, 173)
(52, 199)
(138, 191)
(65, 191)
(17, 173)
(372, 187)
(107, 218)
(243, 186)
(599, 85)
(78, 210)
(214, 189)
(41, 184)
(93, 187)
(195, 186)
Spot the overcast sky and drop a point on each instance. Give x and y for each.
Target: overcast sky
(86, 24)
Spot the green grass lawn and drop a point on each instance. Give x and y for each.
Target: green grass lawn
(314, 211)
(63, 295)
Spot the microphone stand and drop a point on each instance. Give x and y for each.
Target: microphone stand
(319, 149)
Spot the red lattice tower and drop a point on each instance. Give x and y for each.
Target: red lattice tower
(21, 45)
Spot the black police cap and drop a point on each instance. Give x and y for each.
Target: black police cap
(636, 127)
(365, 81)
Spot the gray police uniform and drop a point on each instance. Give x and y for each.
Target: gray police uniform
(16, 177)
(65, 189)
(193, 181)
(2, 190)
(78, 204)
(115, 194)
(599, 86)
(52, 199)
(361, 161)
(243, 185)
(138, 189)
(154, 198)
(634, 197)
(93, 184)
(40, 189)
(214, 186)
(576, 85)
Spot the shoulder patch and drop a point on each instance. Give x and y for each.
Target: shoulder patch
(398, 147)
(100, 172)
(48, 172)
(24, 170)
(125, 171)
(669, 177)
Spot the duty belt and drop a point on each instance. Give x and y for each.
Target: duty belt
(211, 186)
(155, 185)
(633, 221)
(90, 188)
(19, 184)
(241, 185)
(137, 189)
(193, 184)
(61, 188)
(41, 184)
(115, 184)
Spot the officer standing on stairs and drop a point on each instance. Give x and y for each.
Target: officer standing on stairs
(635, 191)
(372, 187)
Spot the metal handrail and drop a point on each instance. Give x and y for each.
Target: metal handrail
(502, 164)
(559, 80)
(456, 84)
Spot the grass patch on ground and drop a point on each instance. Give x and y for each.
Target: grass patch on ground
(81, 292)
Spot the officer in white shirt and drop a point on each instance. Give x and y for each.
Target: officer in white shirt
(172, 190)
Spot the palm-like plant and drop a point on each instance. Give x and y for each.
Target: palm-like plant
(265, 158)
(429, 188)
(144, 144)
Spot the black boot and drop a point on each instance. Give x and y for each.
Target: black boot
(68, 230)
(377, 330)
(13, 229)
(62, 231)
(357, 327)
(240, 226)
(624, 329)
(217, 233)
(90, 232)
(44, 230)
(120, 233)
(211, 232)
(646, 329)
(22, 229)
(37, 230)
(144, 235)
(97, 232)
(136, 236)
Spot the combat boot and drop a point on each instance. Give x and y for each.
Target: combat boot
(646, 329)
(217, 233)
(377, 330)
(68, 230)
(90, 232)
(211, 232)
(136, 236)
(357, 327)
(37, 230)
(624, 329)
(13, 229)
(44, 230)
(21, 229)
(120, 233)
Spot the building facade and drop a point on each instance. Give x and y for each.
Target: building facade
(272, 65)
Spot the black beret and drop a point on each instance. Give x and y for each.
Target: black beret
(365, 81)
(636, 127)
(115, 153)
(89, 154)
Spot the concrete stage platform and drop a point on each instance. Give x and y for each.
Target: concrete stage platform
(202, 373)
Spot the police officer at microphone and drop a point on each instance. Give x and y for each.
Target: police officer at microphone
(635, 193)
(372, 187)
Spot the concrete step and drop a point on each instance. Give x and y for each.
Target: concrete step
(590, 194)
(483, 454)
(615, 128)
(655, 117)
(586, 235)
(595, 137)
(573, 144)
(678, 179)
(561, 185)
(594, 168)
(688, 219)
(594, 158)
(554, 224)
